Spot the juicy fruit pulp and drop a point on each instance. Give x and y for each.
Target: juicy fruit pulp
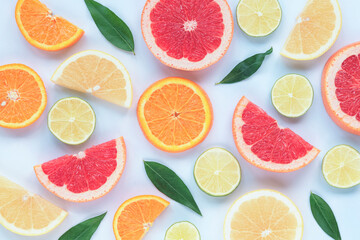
(22, 96)
(25, 213)
(265, 215)
(43, 30)
(175, 114)
(97, 73)
(182, 231)
(263, 143)
(190, 39)
(135, 216)
(87, 175)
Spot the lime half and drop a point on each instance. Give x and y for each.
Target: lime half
(292, 95)
(71, 120)
(341, 166)
(217, 172)
(258, 18)
(182, 231)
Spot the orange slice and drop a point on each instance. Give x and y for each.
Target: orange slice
(315, 31)
(175, 114)
(135, 216)
(42, 29)
(22, 96)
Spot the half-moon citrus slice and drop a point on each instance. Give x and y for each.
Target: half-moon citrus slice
(85, 176)
(264, 144)
(188, 35)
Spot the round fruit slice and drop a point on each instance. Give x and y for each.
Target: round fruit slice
(182, 231)
(175, 114)
(135, 216)
(97, 73)
(340, 88)
(217, 172)
(26, 213)
(71, 120)
(44, 30)
(85, 176)
(191, 39)
(316, 30)
(264, 144)
(341, 167)
(22, 96)
(258, 18)
(265, 215)
(292, 95)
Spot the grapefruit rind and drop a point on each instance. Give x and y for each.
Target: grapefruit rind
(184, 64)
(247, 154)
(89, 195)
(328, 89)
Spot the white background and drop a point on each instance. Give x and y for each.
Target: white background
(21, 149)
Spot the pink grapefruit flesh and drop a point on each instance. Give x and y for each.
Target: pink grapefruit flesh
(264, 144)
(87, 175)
(188, 35)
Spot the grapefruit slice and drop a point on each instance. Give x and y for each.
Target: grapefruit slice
(85, 176)
(340, 88)
(188, 35)
(264, 144)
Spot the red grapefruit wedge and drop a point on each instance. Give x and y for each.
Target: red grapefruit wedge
(85, 176)
(264, 144)
(340, 88)
(188, 35)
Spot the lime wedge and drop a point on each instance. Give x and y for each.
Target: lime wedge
(71, 120)
(341, 166)
(217, 172)
(292, 95)
(182, 231)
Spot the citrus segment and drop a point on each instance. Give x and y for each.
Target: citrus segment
(191, 39)
(135, 216)
(85, 176)
(217, 172)
(22, 96)
(265, 215)
(315, 31)
(182, 231)
(258, 18)
(44, 30)
(71, 120)
(341, 167)
(175, 114)
(264, 144)
(292, 95)
(97, 73)
(26, 213)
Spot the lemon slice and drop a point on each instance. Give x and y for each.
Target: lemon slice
(217, 172)
(26, 213)
(292, 95)
(182, 231)
(341, 167)
(71, 120)
(258, 18)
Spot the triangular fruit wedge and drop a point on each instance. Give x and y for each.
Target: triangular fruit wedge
(87, 175)
(264, 144)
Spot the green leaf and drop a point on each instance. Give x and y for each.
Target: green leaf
(245, 68)
(324, 216)
(167, 182)
(84, 230)
(111, 26)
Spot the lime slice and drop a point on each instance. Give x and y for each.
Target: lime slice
(258, 18)
(217, 172)
(292, 95)
(182, 231)
(71, 120)
(341, 166)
